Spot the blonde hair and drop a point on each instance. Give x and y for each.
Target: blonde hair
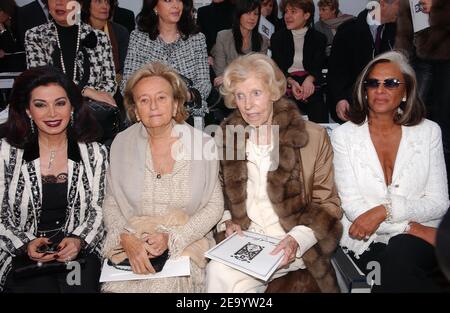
(262, 67)
(157, 69)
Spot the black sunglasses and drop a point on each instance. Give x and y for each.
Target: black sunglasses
(390, 83)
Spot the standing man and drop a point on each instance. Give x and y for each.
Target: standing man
(429, 53)
(356, 43)
(213, 18)
(31, 15)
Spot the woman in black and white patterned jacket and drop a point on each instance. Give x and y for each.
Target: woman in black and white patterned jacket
(167, 33)
(52, 185)
(82, 53)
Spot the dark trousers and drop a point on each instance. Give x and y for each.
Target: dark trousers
(434, 88)
(407, 264)
(314, 107)
(57, 282)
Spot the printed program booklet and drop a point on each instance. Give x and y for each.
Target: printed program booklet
(265, 27)
(249, 253)
(420, 20)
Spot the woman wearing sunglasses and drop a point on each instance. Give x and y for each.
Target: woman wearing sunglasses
(391, 178)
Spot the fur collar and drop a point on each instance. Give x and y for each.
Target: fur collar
(292, 137)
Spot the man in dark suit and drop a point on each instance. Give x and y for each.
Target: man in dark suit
(125, 18)
(33, 14)
(213, 18)
(354, 45)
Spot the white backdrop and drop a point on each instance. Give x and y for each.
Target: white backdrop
(347, 6)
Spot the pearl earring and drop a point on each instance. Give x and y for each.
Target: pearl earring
(156, 12)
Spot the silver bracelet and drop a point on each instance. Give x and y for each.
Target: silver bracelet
(388, 207)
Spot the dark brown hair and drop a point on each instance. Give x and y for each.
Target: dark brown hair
(307, 6)
(9, 7)
(242, 7)
(147, 20)
(86, 9)
(17, 129)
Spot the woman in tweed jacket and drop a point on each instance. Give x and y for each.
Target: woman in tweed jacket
(167, 33)
(81, 52)
(52, 178)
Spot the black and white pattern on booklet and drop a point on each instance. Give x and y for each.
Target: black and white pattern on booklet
(248, 252)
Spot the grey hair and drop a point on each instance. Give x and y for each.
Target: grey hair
(413, 108)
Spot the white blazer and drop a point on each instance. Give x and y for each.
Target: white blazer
(418, 191)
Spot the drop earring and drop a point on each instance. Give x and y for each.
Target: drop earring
(156, 12)
(72, 119)
(404, 99)
(32, 124)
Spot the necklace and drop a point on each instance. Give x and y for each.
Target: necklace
(163, 165)
(163, 37)
(52, 158)
(76, 52)
(53, 154)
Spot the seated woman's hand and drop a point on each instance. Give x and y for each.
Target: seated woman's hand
(210, 61)
(69, 248)
(33, 254)
(426, 5)
(100, 96)
(342, 108)
(218, 81)
(308, 88)
(297, 90)
(290, 246)
(231, 228)
(137, 251)
(158, 243)
(423, 232)
(367, 223)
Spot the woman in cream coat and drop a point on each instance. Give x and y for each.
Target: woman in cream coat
(155, 170)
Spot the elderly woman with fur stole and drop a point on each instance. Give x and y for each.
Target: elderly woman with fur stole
(283, 186)
(163, 189)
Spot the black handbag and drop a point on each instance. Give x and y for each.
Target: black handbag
(107, 117)
(157, 263)
(196, 101)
